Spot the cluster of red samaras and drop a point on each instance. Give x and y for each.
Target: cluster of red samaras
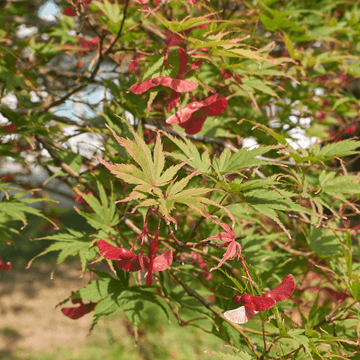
(253, 304)
(192, 116)
(5, 267)
(129, 261)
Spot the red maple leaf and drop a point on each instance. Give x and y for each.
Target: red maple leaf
(254, 304)
(229, 237)
(5, 267)
(192, 116)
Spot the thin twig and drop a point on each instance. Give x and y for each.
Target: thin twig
(207, 304)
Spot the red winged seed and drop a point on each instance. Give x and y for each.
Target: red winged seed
(163, 261)
(193, 126)
(111, 252)
(284, 290)
(184, 114)
(5, 267)
(70, 11)
(254, 304)
(237, 298)
(240, 315)
(216, 108)
(127, 264)
(257, 303)
(183, 61)
(127, 260)
(174, 84)
(79, 311)
(192, 123)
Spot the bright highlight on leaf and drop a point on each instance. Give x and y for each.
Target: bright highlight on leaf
(254, 304)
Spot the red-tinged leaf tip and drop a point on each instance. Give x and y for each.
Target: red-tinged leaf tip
(194, 66)
(174, 84)
(257, 303)
(111, 252)
(284, 290)
(142, 2)
(233, 250)
(240, 315)
(163, 261)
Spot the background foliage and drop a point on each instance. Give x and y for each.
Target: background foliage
(283, 72)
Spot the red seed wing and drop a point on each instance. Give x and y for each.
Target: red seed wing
(184, 114)
(282, 291)
(193, 125)
(216, 108)
(75, 312)
(240, 315)
(257, 303)
(163, 261)
(111, 252)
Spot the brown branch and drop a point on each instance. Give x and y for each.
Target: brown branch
(65, 166)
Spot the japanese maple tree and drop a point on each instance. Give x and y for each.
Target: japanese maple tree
(140, 113)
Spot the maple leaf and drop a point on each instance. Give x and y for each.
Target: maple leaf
(229, 237)
(254, 304)
(192, 116)
(5, 267)
(78, 311)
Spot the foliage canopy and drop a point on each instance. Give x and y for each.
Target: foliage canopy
(171, 91)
